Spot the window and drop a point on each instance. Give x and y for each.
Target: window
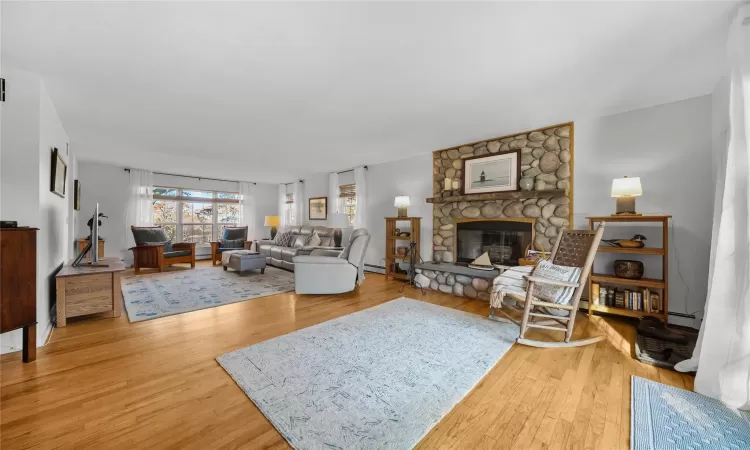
(348, 199)
(289, 208)
(195, 216)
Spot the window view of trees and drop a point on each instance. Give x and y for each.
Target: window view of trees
(195, 216)
(348, 196)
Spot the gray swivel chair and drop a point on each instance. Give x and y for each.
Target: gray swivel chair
(321, 273)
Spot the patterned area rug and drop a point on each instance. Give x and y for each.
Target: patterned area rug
(166, 294)
(376, 379)
(664, 417)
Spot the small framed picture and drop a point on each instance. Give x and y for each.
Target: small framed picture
(58, 173)
(77, 195)
(492, 173)
(318, 208)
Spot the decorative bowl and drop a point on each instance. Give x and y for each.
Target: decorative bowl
(625, 268)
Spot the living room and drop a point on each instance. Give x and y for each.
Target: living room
(306, 194)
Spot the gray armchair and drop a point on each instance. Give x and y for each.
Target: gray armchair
(321, 274)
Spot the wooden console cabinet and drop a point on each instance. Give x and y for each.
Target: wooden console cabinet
(89, 290)
(18, 285)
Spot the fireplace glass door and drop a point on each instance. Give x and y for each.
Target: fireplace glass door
(504, 240)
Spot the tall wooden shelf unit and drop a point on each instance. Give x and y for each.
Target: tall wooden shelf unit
(650, 283)
(392, 242)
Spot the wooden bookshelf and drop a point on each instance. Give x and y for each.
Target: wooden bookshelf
(392, 241)
(609, 280)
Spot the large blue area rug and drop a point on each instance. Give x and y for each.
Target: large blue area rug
(665, 418)
(376, 379)
(152, 296)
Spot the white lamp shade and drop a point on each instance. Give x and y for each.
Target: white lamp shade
(401, 201)
(626, 187)
(339, 220)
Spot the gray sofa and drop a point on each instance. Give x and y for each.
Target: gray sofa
(283, 257)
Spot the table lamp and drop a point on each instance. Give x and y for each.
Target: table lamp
(273, 222)
(625, 190)
(338, 221)
(402, 202)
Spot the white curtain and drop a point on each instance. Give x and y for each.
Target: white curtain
(139, 210)
(299, 203)
(723, 351)
(360, 213)
(247, 208)
(283, 223)
(333, 194)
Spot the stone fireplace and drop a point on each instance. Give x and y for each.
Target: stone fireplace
(543, 202)
(505, 240)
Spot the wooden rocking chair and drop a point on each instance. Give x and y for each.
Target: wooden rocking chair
(574, 248)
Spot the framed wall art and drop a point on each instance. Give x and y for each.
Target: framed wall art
(492, 173)
(318, 208)
(58, 174)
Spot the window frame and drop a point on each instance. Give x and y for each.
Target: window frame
(180, 199)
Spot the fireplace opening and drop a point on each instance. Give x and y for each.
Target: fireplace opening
(505, 240)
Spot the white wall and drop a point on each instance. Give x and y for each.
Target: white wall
(30, 129)
(412, 177)
(669, 147)
(107, 185)
(53, 246)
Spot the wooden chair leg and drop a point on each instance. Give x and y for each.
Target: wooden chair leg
(527, 308)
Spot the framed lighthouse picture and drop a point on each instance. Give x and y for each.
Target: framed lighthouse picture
(492, 173)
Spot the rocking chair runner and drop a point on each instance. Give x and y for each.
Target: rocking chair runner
(574, 248)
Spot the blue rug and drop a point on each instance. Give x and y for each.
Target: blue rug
(165, 294)
(376, 379)
(664, 418)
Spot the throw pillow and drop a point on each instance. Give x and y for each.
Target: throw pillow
(231, 243)
(167, 245)
(313, 240)
(283, 239)
(551, 293)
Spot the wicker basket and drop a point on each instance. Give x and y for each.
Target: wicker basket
(531, 262)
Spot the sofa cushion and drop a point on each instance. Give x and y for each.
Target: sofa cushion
(177, 253)
(276, 252)
(232, 243)
(313, 240)
(142, 235)
(283, 239)
(265, 249)
(288, 254)
(298, 241)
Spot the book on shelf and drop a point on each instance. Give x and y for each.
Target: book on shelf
(610, 297)
(595, 293)
(620, 299)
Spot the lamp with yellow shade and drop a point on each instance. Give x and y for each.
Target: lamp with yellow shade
(625, 190)
(273, 222)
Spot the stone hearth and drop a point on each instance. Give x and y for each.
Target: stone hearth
(546, 178)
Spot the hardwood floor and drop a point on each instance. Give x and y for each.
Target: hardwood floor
(107, 383)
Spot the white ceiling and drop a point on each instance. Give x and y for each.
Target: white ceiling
(270, 92)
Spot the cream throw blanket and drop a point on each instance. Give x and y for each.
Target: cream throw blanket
(226, 255)
(511, 281)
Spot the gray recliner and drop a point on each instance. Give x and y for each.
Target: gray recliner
(283, 257)
(322, 274)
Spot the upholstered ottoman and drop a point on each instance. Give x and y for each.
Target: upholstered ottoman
(243, 260)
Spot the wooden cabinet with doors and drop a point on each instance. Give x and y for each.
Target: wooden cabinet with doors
(18, 285)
